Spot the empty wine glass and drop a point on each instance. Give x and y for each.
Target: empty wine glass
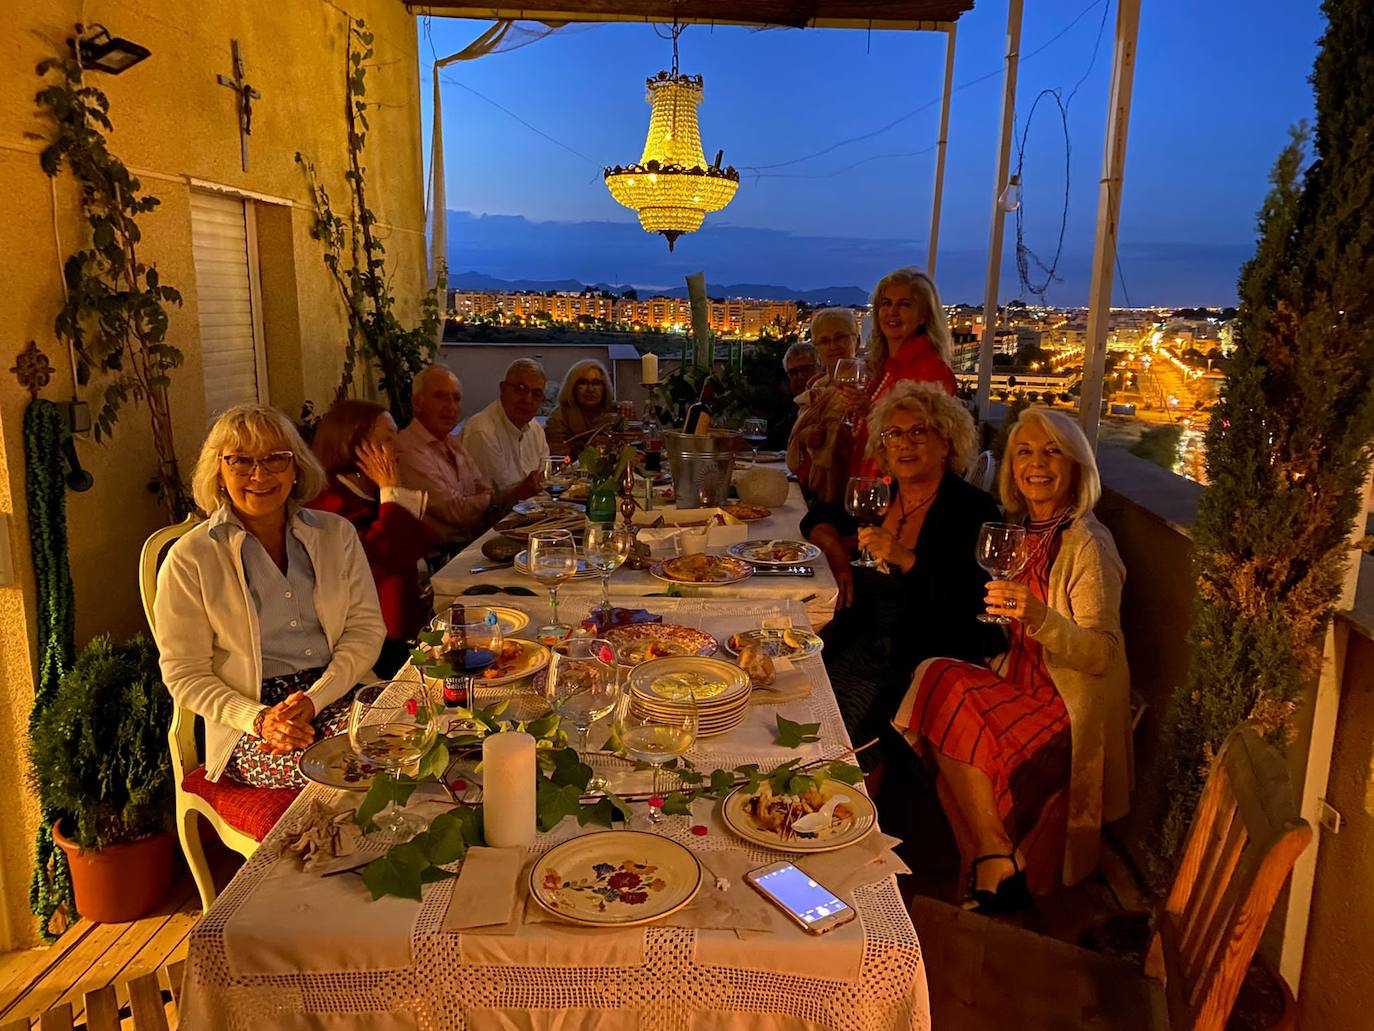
(605, 547)
(654, 736)
(391, 725)
(552, 558)
(582, 684)
(853, 373)
(867, 498)
(1001, 550)
(754, 432)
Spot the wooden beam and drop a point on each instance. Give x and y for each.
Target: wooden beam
(929, 16)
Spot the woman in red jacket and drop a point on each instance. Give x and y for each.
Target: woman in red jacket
(353, 443)
(909, 341)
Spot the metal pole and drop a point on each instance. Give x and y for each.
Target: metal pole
(998, 215)
(1108, 214)
(940, 152)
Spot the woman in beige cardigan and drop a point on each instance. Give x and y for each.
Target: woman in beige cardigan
(1034, 754)
(266, 614)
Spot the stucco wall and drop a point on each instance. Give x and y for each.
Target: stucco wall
(1338, 968)
(174, 123)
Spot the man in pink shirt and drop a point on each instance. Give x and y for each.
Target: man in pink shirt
(432, 460)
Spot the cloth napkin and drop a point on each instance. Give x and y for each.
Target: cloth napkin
(323, 836)
(789, 684)
(486, 892)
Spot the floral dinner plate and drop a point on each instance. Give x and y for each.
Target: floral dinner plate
(615, 879)
(331, 762)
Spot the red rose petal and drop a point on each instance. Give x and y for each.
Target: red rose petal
(656, 801)
(699, 830)
(458, 785)
(412, 706)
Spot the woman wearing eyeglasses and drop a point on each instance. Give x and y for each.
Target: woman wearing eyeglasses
(266, 614)
(584, 406)
(927, 602)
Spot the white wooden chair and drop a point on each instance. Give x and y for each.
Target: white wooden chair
(181, 738)
(982, 472)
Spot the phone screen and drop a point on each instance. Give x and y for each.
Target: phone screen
(799, 894)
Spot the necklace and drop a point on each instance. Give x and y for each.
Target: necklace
(903, 515)
(1044, 534)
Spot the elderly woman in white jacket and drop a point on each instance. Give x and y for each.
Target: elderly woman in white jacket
(266, 613)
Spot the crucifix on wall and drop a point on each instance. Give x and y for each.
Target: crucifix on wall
(245, 94)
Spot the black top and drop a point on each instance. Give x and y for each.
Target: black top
(901, 619)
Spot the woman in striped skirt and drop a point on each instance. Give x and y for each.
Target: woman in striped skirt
(1033, 754)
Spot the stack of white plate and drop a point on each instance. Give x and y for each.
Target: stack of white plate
(721, 688)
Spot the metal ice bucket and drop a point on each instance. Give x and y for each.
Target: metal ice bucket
(702, 464)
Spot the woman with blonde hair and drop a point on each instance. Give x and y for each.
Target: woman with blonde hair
(584, 406)
(928, 601)
(1034, 754)
(909, 341)
(266, 615)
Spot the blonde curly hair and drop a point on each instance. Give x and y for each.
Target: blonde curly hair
(943, 414)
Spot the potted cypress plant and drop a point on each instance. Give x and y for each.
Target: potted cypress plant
(99, 758)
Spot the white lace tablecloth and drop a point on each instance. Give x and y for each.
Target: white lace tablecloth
(819, 592)
(283, 949)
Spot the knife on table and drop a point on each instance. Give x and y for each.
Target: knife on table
(786, 571)
(492, 567)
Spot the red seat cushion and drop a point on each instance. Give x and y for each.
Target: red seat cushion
(254, 811)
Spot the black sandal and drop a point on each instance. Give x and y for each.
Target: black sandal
(1012, 894)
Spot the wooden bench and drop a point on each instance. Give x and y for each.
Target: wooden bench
(147, 1007)
(985, 975)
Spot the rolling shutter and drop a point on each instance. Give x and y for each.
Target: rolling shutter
(223, 240)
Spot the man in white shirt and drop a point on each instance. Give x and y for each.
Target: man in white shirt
(503, 438)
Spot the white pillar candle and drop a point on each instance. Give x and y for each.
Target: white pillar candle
(508, 811)
(648, 366)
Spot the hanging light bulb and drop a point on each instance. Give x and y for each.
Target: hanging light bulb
(1011, 195)
(672, 188)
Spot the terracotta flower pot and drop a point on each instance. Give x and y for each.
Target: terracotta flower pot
(119, 883)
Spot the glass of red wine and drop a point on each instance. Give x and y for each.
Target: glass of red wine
(472, 642)
(867, 498)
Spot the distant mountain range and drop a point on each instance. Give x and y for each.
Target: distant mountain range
(845, 295)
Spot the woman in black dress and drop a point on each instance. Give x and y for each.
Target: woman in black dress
(927, 601)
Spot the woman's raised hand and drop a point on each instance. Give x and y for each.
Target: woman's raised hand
(883, 545)
(378, 463)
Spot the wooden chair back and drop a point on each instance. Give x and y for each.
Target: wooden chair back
(182, 734)
(1245, 838)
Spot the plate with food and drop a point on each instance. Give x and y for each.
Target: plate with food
(769, 457)
(519, 525)
(702, 570)
(832, 816)
(332, 763)
(522, 565)
(774, 553)
(789, 643)
(615, 879)
(641, 642)
(663, 684)
(545, 506)
(518, 659)
(747, 513)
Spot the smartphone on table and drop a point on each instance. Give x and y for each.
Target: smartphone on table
(812, 906)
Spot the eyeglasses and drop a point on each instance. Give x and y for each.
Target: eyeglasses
(589, 383)
(274, 462)
(521, 390)
(801, 370)
(912, 435)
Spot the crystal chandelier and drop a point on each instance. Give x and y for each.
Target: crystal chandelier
(672, 188)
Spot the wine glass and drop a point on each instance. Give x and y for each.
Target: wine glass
(854, 373)
(606, 546)
(582, 684)
(473, 639)
(867, 498)
(391, 725)
(552, 558)
(654, 736)
(754, 432)
(1001, 550)
(555, 474)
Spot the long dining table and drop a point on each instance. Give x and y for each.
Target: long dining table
(819, 592)
(287, 949)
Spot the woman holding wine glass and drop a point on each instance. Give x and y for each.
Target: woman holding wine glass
(1034, 753)
(821, 444)
(927, 601)
(909, 342)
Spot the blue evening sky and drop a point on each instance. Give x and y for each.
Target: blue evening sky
(1217, 85)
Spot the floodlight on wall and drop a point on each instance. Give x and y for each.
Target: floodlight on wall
(672, 188)
(101, 52)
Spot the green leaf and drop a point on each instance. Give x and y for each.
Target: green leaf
(847, 772)
(678, 803)
(800, 784)
(553, 803)
(568, 769)
(450, 834)
(419, 656)
(396, 873)
(790, 734)
(544, 726)
(435, 762)
(780, 775)
(722, 783)
(601, 814)
(384, 791)
(621, 806)
(613, 742)
(434, 873)
(433, 638)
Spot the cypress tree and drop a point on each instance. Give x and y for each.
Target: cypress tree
(1290, 440)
